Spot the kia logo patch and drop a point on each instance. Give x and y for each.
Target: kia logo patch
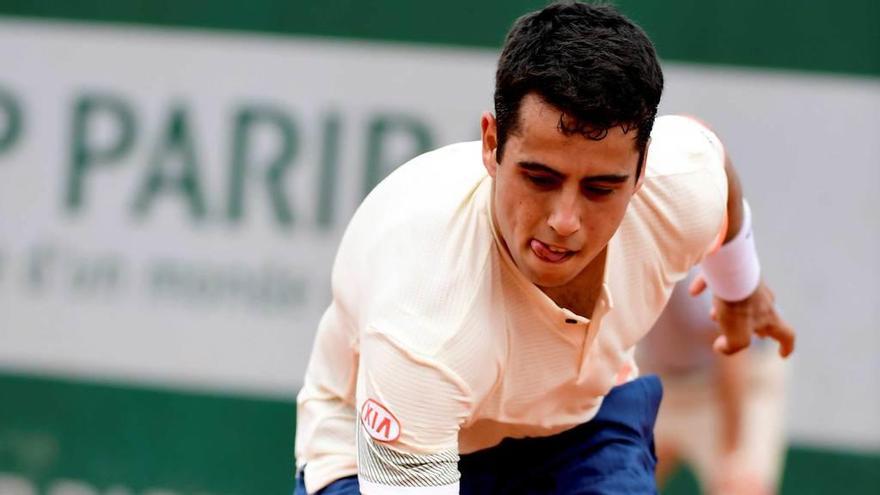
(380, 424)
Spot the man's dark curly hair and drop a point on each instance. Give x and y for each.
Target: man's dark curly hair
(588, 61)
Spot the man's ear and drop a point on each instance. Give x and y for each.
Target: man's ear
(489, 136)
(644, 167)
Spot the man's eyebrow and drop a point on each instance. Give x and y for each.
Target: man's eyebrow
(606, 178)
(611, 178)
(540, 167)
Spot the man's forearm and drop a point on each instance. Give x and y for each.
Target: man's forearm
(732, 270)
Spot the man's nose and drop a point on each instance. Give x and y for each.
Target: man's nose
(565, 219)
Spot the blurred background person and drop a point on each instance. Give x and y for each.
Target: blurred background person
(722, 416)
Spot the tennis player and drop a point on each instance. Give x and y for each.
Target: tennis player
(488, 296)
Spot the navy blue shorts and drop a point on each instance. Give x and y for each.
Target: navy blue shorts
(610, 454)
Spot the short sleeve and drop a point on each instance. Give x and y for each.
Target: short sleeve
(410, 409)
(714, 168)
(685, 190)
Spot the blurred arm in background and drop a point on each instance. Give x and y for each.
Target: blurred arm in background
(721, 415)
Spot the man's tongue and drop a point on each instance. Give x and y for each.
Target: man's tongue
(544, 252)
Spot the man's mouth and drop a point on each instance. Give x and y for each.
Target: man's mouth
(549, 253)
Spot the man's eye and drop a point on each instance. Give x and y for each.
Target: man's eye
(598, 191)
(542, 181)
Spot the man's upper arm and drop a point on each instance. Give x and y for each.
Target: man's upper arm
(410, 408)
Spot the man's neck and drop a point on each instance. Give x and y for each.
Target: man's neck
(580, 295)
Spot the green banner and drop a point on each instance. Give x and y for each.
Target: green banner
(58, 435)
(64, 436)
(818, 36)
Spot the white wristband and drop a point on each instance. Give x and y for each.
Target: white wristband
(733, 271)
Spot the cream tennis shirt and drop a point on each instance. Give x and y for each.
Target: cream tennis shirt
(435, 345)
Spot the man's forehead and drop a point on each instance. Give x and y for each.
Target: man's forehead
(538, 120)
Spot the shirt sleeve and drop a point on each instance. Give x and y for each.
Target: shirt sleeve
(325, 444)
(685, 191)
(410, 409)
(713, 161)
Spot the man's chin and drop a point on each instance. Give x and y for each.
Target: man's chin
(550, 278)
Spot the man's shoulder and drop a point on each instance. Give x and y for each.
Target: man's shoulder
(451, 166)
(681, 144)
(681, 205)
(685, 167)
(432, 185)
(416, 254)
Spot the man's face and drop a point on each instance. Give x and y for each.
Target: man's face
(558, 199)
